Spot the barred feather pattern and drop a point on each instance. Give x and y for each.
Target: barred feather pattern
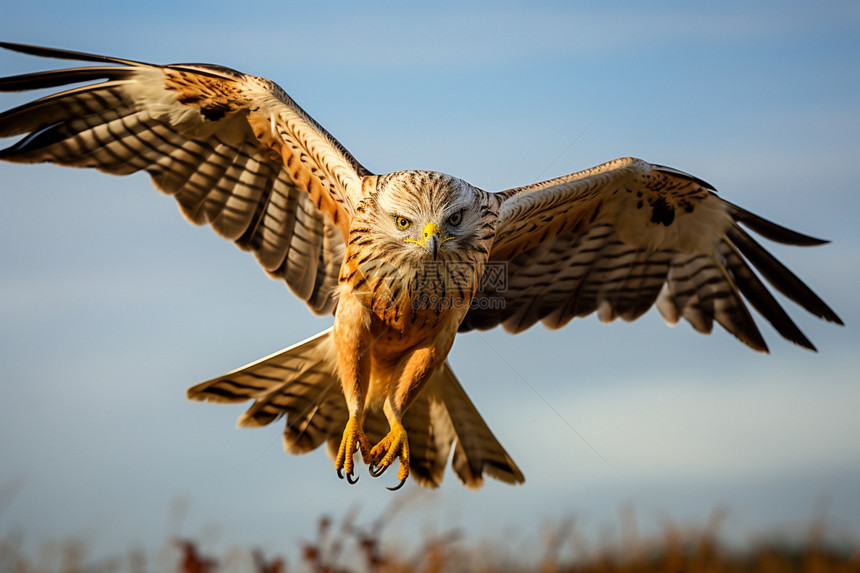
(626, 235)
(234, 150)
(300, 384)
(240, 155)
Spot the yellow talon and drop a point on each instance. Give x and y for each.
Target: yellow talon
(353, 437)
(392, 446)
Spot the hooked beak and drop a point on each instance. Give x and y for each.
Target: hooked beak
(430, 239)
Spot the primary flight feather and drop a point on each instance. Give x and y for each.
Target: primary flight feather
(404, 260)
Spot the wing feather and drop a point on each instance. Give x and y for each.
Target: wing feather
(235, 151)
(621, 237)
(778, 275)
(759, 296)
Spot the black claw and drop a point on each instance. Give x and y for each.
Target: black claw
(398, 486)
(349, 476)
(376, 471)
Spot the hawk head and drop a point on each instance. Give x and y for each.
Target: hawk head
(423, 232)
(424, 215)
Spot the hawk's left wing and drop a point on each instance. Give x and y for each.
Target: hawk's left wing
(234, 150)
(625, 235)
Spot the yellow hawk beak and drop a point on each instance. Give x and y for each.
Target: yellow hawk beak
(430, 239)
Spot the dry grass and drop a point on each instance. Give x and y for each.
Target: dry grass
(347, 547)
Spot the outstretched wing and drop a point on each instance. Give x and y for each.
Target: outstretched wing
(623, 235)
(234, 150)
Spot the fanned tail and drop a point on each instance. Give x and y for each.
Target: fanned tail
(298, 382)
(443, 417)
(301, 384)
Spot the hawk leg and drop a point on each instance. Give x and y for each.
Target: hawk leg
(415, 370)
(353, 437)
(393, 446)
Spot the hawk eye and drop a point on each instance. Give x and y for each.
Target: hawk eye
(456, 218)
(402, 223)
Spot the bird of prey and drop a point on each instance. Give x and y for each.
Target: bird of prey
(403, 260)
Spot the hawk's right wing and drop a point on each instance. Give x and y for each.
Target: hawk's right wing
(234, 150)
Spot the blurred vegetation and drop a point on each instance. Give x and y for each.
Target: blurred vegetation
(347, 547)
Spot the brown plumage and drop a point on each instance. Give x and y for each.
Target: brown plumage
(404, 260)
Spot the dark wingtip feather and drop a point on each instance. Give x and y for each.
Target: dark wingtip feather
(771, 230)
(19, 152)
(56, 78)
(44, 52)
(780, 277)
(760, 297)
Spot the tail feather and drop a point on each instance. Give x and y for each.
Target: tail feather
(298, 382)
(477, 451)
(301, 384)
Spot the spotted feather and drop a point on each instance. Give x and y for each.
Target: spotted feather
(626, 235)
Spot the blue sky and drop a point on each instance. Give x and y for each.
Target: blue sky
(111, 305)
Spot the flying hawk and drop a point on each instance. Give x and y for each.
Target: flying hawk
(403, 260)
